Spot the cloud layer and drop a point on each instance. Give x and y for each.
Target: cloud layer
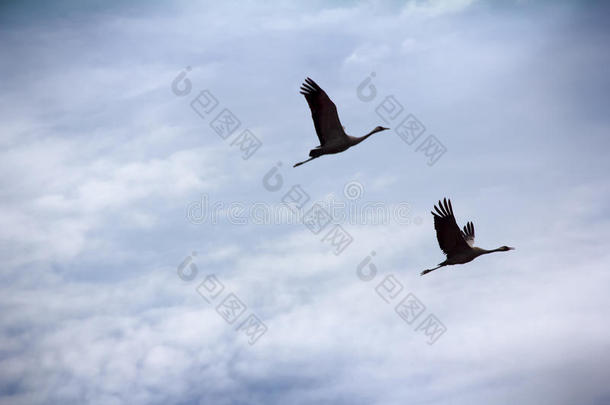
(99, 162)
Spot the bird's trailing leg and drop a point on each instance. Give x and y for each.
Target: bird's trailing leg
(305, 161)
(429, 270)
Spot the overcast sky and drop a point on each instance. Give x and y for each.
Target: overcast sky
(106, 169)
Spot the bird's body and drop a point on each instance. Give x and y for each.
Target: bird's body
(457, 245)
(331, 134)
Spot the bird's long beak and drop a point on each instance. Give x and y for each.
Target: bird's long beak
(510, 248)
(384, 128)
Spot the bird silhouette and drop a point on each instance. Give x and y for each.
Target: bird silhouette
(333, 138)
(457, 245)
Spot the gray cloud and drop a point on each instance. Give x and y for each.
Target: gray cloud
(99, 162)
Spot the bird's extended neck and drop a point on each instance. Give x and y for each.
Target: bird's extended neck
(358, 139)
(481, 251)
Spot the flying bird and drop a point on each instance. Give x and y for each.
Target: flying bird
(333, 138)
(457, 245)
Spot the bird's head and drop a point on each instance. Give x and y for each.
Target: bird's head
(379, 129)
(506, 248)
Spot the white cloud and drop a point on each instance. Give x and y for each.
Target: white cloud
(434, 8)
(99, 161)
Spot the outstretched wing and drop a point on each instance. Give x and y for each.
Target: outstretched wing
(448, 233)
(468, 233)
(323, 112)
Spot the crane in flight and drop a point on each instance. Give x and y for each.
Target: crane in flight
(457, 245)
(333, 138)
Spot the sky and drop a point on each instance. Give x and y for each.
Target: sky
(150, 256)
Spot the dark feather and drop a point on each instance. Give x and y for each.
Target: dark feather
(468, 233)
(450, 238)
(323, 112)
